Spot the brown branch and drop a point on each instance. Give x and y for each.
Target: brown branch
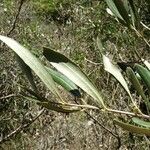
(16, 18)
(20, 128)
(100, 124)
(96, 121)
(106, 129)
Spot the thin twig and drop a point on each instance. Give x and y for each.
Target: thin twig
(16, 18)
(128, 113)
(83, 106)
(21, 127)
(144, 25)
(96, 121)
(109, 131)
(8, 96)
(94, 63)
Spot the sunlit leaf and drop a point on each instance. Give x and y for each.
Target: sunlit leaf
(71, 71)
(141, 122)
(33, 62)
(132, 128)
(27, 71)
(114, 70)
(64, 82)
(113, 8)
(147, 64)
(109, 12)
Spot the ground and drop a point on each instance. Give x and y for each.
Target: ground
(70, 27)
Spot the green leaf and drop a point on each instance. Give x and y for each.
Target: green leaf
(132, 128)
(114, 9)
(144, 73)
(135, 16)
(137, 86)
(141, 122)
(64, 82)
(27, 71)
(112, 69)
(33, 62)
(120, 5)
(71, 71)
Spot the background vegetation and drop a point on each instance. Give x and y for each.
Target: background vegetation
(70, 27)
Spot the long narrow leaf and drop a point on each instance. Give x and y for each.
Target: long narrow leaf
(112, 69)
(141, 122)
(123, 11)
(137, 86)
(135, 13)
(71, 71)
(27, 71)
(114, 9)
(32, 62)
(132, 128)
(59, 107)
(64, 82)
(144, 73)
